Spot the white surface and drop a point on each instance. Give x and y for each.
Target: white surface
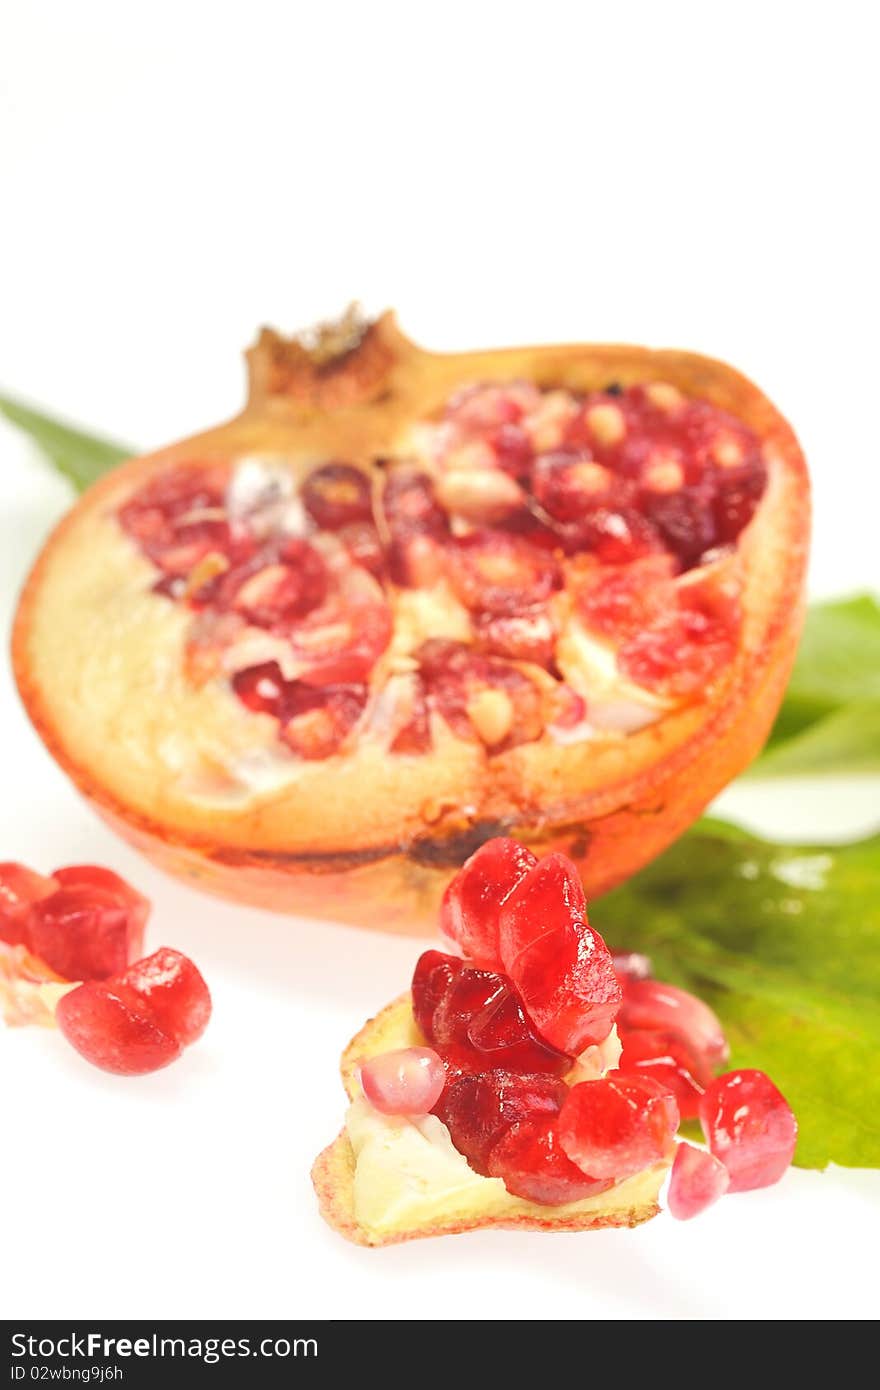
(669, 174)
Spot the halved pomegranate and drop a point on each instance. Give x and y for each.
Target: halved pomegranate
(405, 603)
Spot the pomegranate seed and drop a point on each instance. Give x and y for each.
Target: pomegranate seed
(20, 888)
(650, 1004)
(87, 931)
(738, 492)
(340, 642)
(362, 543)
(472, 903)
(559, 965)
(261, 688)
(513, 449)
(493, 572)
(698, 1179)
(618, 1125)
(95, 876)
(315, 723)
(665, 1057)
(479, 408)
(409, 1081)
(621, 603)
(276, 587)
(337, 494)
(432, 979)
(568, 482)
(140, 1021)
(750, 1128)
(685, 520)
(527, 636)
(478, 1109)
(532, 1164)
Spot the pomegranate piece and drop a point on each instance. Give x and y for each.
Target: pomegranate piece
(618, 1125)
(337, 494)
(750, 1128)
(459, 1006)
(91, 927)
(559, 965)
(650, 1004)
(477, 1110)
(493, 572)
(20, 888)
(408, 1081)
(471, 908)
(316, 722)
(698, 1179)
(532, 1164)
(140, 1021)
(665, 1057)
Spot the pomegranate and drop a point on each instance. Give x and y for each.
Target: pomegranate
(750, 1128)
(405, 603)
(698, 1179)
(618, 1125)
(408, 1081)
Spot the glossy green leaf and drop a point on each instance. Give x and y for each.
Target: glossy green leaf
(784, 942)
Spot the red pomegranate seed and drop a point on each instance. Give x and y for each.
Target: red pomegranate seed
(477, 1110)
(20, 888)
(568, 483)
(737, 494)
(685, 520)
(410, 507)
(141, 1020)
(337, 494)
(493, 572)
(698, 1180)
(91, 927)
(276, 587)
(480, 408)
(513, 449)
(665, 1057)
(618, 1125)
(432, 979)
(750, 1128)
(340, 642)
(316, 722)
(261, 688)
(472, 903)
(532, 1164)
(527, 636)
(409, 1081)
(618, 603)
(361, 541)
(560, 966)
(481, 698)
(650, 1004)
(615, 535)
(681, 654)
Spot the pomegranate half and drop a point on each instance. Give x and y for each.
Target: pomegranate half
(406, 602)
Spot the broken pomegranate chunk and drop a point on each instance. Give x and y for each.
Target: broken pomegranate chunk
(698, 1179)
(618, 1125)
(477, 1110)
(560, 966)
(408, 1081)
(472, 903)
(532, 1164)
(142, 1019)
(750, 1128)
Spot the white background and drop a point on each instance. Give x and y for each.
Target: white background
(172, 176)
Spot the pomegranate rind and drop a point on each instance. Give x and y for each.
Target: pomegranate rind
(626, 1204)
(391, 829)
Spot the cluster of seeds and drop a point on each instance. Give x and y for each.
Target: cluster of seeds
(531, 511)
(526, 1073)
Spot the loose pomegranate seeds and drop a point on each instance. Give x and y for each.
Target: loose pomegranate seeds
(87, 931)
(477, 1110)
(650, 1004)
(532, 1164)
(472, 903)
(698, 1179)
(20, 888)
(618, 1125)
(560, 966)
(141, 1020)
(750, 1128)
(665, 1057)
(409, 1081)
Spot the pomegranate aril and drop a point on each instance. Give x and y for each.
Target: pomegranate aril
(532, 1164)
(410, 507)
(86, 932)
(615, 535)
(472, 903)
(512, 448)
(651, 1004)
(665, 1057)
(277, 587)
(501, 1032)
(679, 655)
(493, 572)
(106, 1025)
(408, 1081)
(750, 1128)
(337, 494)
(20, 888)
(618, 1125)
(477, 1110)
(568, 483)
(432, 979)
(261, 688)
(698, 1179)
(340, 642)
(316, 722)
(685, 520)
(737, 494)
(618, 603)
(362, 543)
(559, 965)
(174, 994)
(466, 995)
(527, 636)
(480, 408)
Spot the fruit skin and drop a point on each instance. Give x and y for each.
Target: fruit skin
(384, 859)
(627, 1205)
(750, 1128)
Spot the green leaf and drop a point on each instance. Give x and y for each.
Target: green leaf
(80, 457)
(830, 717)
(784, 943)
